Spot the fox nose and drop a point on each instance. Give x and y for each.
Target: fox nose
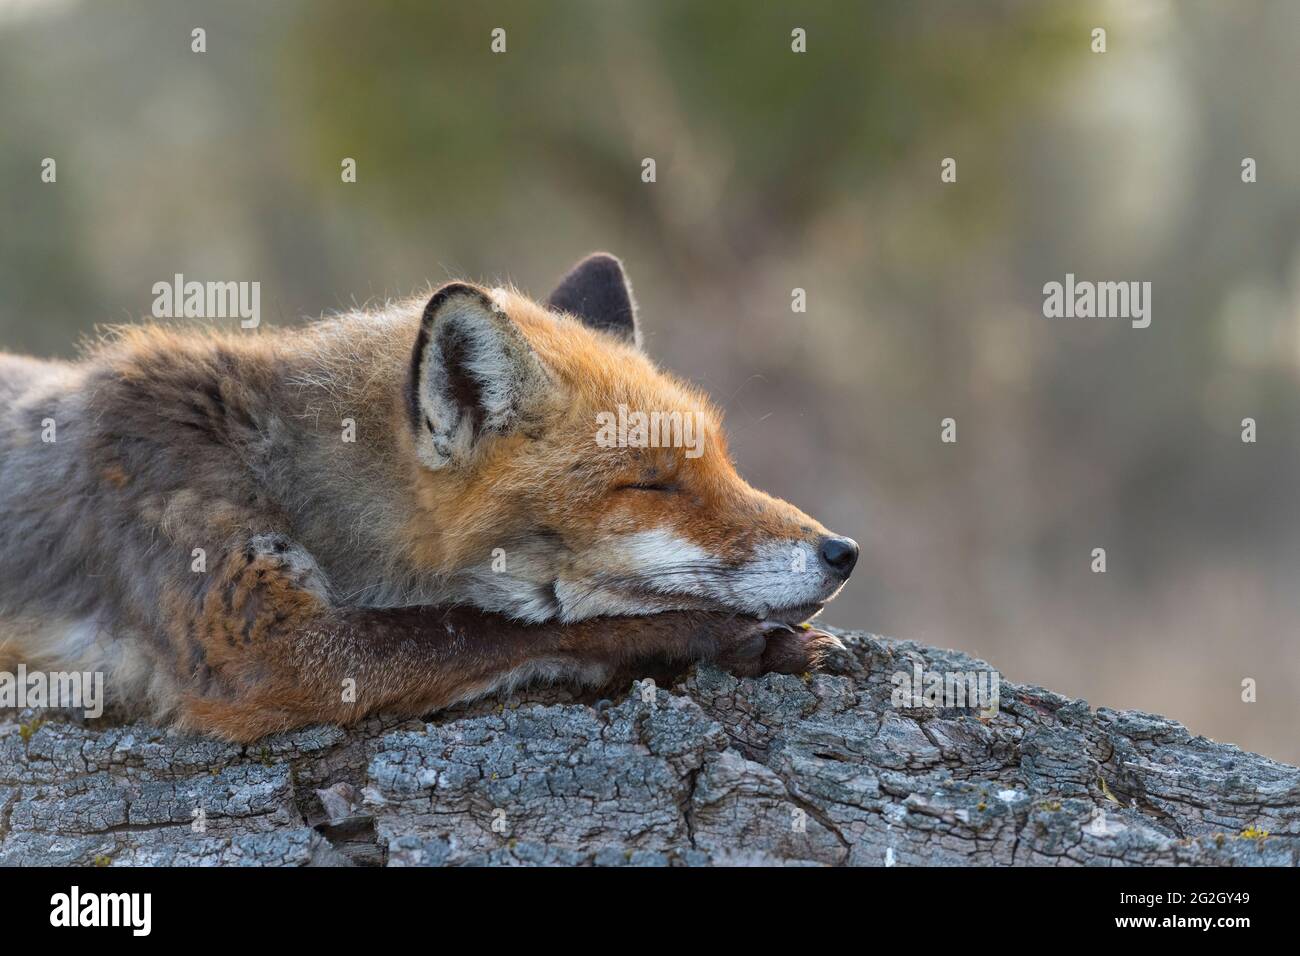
(840, 554)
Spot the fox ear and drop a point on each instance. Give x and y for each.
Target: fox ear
(596, 291)
(473, 375)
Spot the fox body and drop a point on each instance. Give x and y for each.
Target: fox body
(389, 510)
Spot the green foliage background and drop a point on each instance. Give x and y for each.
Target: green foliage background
(776, 171)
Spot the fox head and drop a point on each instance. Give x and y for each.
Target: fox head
(568, 477)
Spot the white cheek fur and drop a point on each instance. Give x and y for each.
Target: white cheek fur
(779, 574)
(646, 572)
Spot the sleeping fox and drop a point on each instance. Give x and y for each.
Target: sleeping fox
(388, 511)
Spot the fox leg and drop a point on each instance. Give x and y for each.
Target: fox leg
(269, 652)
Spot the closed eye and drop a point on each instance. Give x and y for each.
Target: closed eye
(648, 486)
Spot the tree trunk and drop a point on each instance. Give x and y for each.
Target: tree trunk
(815, 770)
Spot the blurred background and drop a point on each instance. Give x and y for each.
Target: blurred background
(779, 170)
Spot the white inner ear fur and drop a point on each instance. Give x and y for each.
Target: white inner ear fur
(490, 352)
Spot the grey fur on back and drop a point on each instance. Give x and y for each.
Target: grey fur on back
(162, 435)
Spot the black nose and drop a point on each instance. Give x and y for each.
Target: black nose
(840, 554)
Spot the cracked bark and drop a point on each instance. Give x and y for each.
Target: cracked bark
(714, 770)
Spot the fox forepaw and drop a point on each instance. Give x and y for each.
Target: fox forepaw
(798, 650)
(762, 646)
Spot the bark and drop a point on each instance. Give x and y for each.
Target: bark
(777, 770)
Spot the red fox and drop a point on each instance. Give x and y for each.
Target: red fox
(391, 510)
